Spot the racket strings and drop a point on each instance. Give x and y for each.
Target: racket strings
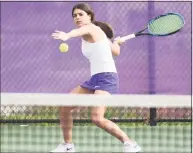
(166, 25)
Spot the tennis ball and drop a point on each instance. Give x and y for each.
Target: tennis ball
(63, 47)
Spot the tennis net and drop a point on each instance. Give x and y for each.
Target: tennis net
(30, 122)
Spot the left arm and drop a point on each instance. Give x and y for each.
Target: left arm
(85, 30)
(73, 33)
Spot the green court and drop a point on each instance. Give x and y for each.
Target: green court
(18, 138)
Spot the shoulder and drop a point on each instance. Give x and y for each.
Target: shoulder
(93, 27)
(94, 30)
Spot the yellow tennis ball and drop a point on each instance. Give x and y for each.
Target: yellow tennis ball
(63, 47)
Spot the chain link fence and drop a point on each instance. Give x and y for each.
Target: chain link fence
(32, 63)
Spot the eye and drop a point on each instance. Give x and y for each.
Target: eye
(74, 15)
(81, 14)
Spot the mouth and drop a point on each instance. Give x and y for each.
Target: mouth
(78, 22)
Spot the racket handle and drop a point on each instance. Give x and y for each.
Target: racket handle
(128, 37)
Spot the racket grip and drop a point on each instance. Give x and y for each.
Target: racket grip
(128, 37)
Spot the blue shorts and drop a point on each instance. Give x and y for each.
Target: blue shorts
(107, 81)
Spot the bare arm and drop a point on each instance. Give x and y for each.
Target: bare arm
(80, 31)
(73, 33)
(115, 48)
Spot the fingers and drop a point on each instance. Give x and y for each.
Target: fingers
(55, 37)
(57, 34)
(60, 32)
(60, 35)
(57, 31)
(118, 40)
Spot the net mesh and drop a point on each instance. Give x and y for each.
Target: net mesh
(30, 123)
(166, 24)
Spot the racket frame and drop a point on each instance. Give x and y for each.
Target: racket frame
(140, 33)
(171, 13)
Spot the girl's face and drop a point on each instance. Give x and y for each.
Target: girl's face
(81, 18)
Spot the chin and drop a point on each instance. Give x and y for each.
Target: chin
(82, 24)
(79, 26)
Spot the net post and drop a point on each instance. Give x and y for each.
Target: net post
(151, 65)
(152, 120)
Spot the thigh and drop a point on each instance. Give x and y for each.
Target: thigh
(101, 92)
(99, 111)
(81, 90)
(77, 90)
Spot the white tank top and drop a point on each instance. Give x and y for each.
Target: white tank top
(100, 56)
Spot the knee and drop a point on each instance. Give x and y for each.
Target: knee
(65, 110)
(66, 113)
(97, 120)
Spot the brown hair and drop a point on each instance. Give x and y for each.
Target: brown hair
(107, 28)
(86, 8)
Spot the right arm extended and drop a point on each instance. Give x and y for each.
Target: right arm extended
(73, 33)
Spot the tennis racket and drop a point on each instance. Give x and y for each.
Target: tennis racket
(162, 25)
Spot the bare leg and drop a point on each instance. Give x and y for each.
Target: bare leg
(66, 123)
(66, 119)
(98, 119)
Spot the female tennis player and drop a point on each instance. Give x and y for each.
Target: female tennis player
(98, 49)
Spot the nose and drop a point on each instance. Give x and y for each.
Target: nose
(77, 17)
